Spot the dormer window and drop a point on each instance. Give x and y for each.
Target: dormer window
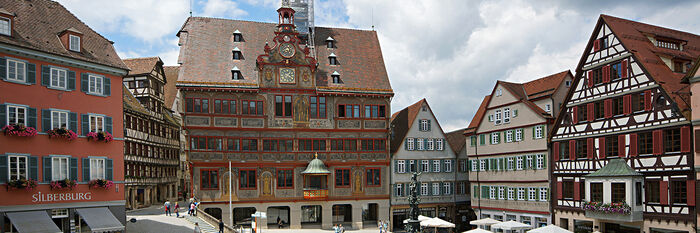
(332, 59)
(661, 43)
(499, 92)
(336, 77)
(604, 43)
(330, 42)
(74, 43)
(237, 36)
(236, 73)
(5, 26)
(237, 55)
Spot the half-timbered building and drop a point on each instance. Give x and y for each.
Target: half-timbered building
(621, 144)
(152, 135)
(303, 123)
(507, 149)
(692, 78)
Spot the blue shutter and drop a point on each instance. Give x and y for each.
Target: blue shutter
(3, 114)
(31, 73)
(31, 117)
(3, 168)
(84, 82)
(85, 123)
(73, 121)
(108, 124)
(3, 68)
(415, 165)
(396, 166)
(74, 169)
(107, 86)
(46, 119)
(71, 80)
(428, 129)
(405, 144)
(86, 169)
(443, 165)
(45, 75)
(47, 168)
(34, 168)
(108, 169)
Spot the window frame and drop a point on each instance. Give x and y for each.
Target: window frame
(60, 113)
(596, 191)
(372, 181)
(193, 102)
(518, 135)
(95, 171)
(401, 166)
(93, 87)
(283, 109)
(424, 189)
(539, 132)
(54, 166)
(9, 26)
(318, 105)
(544, 194)
(343, 182)
(58, 78)
(282, 172)
(672, 140)
(16, 74)
(71, 39)
(380, 111)
(354, 108)
(258, 110)
(539, 161)
(436, 166)
(230, 108)
(448, 165)
(615, 191)
(678, 192)
(410, 144)
(16, 114)
(18, 176)
(248, 185)
(94, 118)
(425, 165)
(210, 172)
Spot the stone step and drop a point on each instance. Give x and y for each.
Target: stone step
(206, 227)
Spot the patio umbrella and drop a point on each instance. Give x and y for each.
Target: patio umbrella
(420, 218)
(549, 229)
(437, 223)
(478, 230)
(511, 225)
(484, 221)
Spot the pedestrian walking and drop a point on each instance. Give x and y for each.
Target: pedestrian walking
(221, 226)
(177, 210)
(336, 229)
(196, 228)
(386, 225)
(381, 226)
(279, 222)
(166, 205)
(342, 229)
(192, 209)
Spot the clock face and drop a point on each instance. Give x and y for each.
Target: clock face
(287, 50)
(287, 75)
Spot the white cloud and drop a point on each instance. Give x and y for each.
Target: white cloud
(222, 8)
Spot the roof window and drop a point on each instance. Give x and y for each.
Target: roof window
(330, 42)
(237, 36)
(332, 59)
(236, 73)
(237, 55)
(336, 77)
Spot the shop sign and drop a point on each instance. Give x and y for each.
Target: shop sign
(54, 197)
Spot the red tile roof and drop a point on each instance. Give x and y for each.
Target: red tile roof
(402, 121)
(143, 65)
(170, 92)
(206, 55)
(478, 116)
(545, 86)
(38, 23)
(457, 140)
(633, 35)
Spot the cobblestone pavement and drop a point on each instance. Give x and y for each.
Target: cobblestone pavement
(153, 220)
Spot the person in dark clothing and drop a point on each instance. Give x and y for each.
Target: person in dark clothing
(221, 226)
(279, 222)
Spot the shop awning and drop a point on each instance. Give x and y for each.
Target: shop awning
(100, 219)
(33, 221)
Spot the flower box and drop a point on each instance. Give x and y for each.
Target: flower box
(610, 208)
(63, 133)
(100, 136)
(21, 184)
(101, 183)
(19, 130)
(63, 184)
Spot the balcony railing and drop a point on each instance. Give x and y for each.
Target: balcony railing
(612, 211)
(315, 193)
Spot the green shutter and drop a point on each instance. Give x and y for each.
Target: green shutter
(86, 169)
(544, 163)
(34, 168)
(484, 192)
(108, 124)
(47, 168)
(3, 71)
(482, 139)
(31, 117)
(74, 168)
(3, 114)
(109, 171)
(31, 73)
(515, 112)
(415, 165)
(71, 80)
(533, 132)
(503, 164)
(469, 165)
(46, 120)
(499, 136)
(428, 129)
(45, 75)
(396, 166)
(107, 86)
(405, 144)
(85, 123)
(84, 82)
(3, 169)
(73, 121)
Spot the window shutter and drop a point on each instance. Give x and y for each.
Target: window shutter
(85, 123)
(601, 147)
(560, 195)
(405, 144)
(31, 117)
(555, 151)
(109, 172)
(415, 162)
(663, 191)
(3, 169)
(428, 129)
(658, 143)
(589, 78)
(590, 148)
(608, 108)
(647, 100)
(624, 68)
(34, 168)
(73, 123)
(621, 145)
(420, 165)
(491, 118)
(572, 150)
(71, 80)
(691, 192)
(591, 112)
(577, 191)
(484, 192)
(46, 119)
(633, 145)
(45, 75)
(74, 169)
(606, 74)
(574, 115)
(107, 86)
(533, 132)
(627, 104)
(544, 161)
(685, 139)
(515, 113)
(443, 165)
(47, 168)
(3, 74)
(425, 144)
(469, 165)
(596, 45)
(86, 169)
(31, 73)
(503, 164)
(3, 115)
(84, 82)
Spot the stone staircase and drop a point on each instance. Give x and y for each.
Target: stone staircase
(206, 227)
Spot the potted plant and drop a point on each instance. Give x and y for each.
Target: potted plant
(608, 208)
(100, 136)
(27, 184)
(18, 130)
(101, 183)
(63, 184)
(63, 133)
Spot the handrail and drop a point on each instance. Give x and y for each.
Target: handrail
(213, 221)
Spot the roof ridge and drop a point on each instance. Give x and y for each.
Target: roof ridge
(140, 58)
(81, 21)
(646, 24)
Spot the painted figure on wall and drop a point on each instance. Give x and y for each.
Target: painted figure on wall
(357, 187)
(301, 106)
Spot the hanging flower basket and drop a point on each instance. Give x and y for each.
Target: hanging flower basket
(63, 184)
(21, 184)
(19, 130)
(101, 183)
(609, 208)
(63, 133)
(100, 136)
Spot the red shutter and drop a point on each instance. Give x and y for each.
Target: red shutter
(590, 112)
(560, 196)
(596, 45)
(633, 145)
(591, 148)
(685, 139)
(601, 147)
(621, 145)
(607, 108)
(572, 150)
(574, 115)
(589, 77)
(691, 192)
(606, 74)
(627, 104)
(647, 100)
(555, 151)
(658, 143)
(624, 68)
(577, 191)
(663, 190)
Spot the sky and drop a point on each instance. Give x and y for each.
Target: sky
(450, 52)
